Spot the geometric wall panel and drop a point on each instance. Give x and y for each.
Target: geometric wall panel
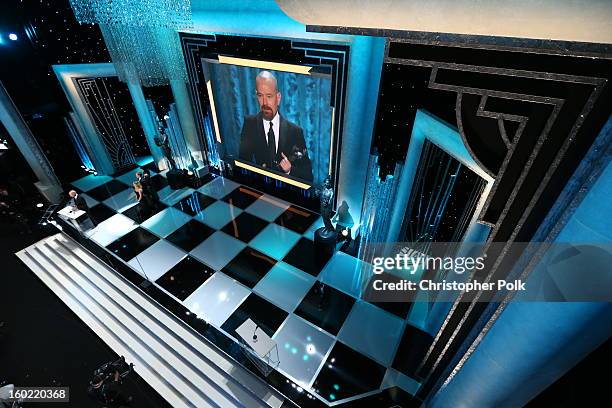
(107, 118)
(527, 112)
(518, 116)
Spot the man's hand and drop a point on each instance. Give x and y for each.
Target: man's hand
(285, 164)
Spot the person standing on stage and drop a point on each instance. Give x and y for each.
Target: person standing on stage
(77, 201)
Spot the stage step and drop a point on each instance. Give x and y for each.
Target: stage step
(183, 367)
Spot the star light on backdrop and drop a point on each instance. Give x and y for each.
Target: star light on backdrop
(141, 36)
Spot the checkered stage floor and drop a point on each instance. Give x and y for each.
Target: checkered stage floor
(229, 253)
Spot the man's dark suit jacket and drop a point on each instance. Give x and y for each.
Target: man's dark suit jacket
(254, 146)
(81, 204)
(148, 189)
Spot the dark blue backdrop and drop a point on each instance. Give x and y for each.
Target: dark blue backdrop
(305, 101)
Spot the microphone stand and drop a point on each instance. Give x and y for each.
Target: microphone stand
(255, 335)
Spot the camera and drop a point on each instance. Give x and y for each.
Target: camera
(107, 370)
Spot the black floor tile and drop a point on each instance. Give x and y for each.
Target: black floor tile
(296, 219)
(132, 243)
(245, 227)
(411, 350)
(303, 256)
(185, 277)
(347, 373)
(249, 266)
(205, 179)
(393, 397)
(268, 316)
(130, 168)
(107, 190)
(151, 166)
(100, 212)
(158, 182)
(190, 235)
(242, 197)
(326, 307)
(194, 203)
(140, 214)
(397, 302)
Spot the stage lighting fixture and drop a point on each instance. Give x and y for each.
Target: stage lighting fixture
(13, 37)
(39, 205)
(95, 173)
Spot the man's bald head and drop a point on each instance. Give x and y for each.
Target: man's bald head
(72, 193)
(267, 76)
(268, 95)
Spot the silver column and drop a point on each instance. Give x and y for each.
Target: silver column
(12, 120)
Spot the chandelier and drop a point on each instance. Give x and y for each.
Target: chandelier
(141, 36)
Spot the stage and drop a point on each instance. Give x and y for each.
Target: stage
(225, 252)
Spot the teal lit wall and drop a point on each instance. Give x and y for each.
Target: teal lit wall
(532, 344)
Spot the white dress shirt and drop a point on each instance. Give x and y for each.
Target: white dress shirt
(275, 126)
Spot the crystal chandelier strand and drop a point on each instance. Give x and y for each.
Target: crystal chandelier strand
(141, 36)
(154, 13)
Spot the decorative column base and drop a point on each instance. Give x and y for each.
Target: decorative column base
(325, 243)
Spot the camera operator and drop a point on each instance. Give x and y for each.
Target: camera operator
(11, 212)
(6, 390)
(108, 390)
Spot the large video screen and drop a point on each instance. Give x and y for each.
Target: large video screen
(272, 122)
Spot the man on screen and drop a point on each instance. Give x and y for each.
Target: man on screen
(270, 140)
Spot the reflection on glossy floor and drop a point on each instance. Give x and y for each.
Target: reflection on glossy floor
(229, 253)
